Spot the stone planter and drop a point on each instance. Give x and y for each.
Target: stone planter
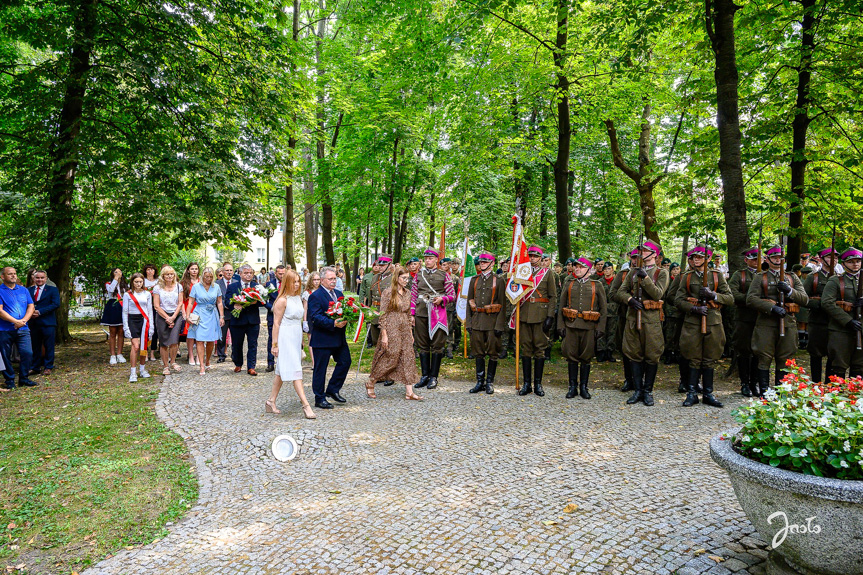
(813, 524)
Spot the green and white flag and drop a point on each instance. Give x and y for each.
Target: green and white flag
(468, 271)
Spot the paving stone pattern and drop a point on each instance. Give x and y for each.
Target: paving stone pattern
(458, 483)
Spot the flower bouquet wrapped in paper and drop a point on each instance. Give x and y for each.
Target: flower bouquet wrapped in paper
(350, 310)
(245, 298)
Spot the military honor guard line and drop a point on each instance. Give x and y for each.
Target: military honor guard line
(652, 311)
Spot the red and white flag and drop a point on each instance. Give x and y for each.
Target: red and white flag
(520, 271)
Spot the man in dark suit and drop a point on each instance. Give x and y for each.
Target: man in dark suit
(274, 284)
(223, 283)
(328, 340)
(247, 325)
(43, 322)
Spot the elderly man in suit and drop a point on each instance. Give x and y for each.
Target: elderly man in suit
(223, 283)
(43, 322)
(328, 340)
(275, 284)
(247, 325)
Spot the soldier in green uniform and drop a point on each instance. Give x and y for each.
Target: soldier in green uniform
(818, 320)
(621, 319)
(431, 292)
(379, 282)
(413, 266)
(768, 343)
(507, 341)
(605, 343)
(641, 292)
(840, 302)
(673, 326)
(699, 296)
(363, 291)
(485, 320)
(580, 321)
(747, 363)
(536, 319)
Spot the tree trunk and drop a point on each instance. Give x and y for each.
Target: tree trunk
(431, 224)
(561, 163)
(543, 211)
(288, 227)
(642, 176)
(310, 219)
(719, 18)
(64, 155)
(799, 127)
(392, 195)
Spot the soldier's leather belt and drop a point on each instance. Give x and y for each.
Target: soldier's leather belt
(846, 306)
(651, 304)
(710, 304)
(537, 299)
(490, 308)
(570, 313)
(815, 297)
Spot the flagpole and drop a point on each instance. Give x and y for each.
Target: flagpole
(517, 342)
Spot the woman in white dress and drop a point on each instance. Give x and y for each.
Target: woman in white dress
(288, 342)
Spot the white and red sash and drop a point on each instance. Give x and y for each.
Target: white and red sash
(537, 279)
(145, 331)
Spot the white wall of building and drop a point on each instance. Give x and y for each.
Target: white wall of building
(256, 256)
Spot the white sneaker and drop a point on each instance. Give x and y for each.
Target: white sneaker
(133, 377)
(144, 373)
(113, 360)
(120, 359)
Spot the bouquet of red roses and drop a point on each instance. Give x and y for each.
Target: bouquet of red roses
(245, 298)
(350, 310)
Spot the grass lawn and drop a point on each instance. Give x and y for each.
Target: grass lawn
(85, 467)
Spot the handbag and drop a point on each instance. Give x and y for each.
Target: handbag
(194, 319)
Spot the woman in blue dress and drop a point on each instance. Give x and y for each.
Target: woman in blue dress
(211, 317)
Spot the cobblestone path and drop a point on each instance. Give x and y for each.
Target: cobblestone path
(455, 484)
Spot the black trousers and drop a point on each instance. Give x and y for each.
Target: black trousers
(222, 344)
(238, 335)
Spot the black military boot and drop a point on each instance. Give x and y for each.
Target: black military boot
(480, 376)
(502, 354)
(828, 369)
(854, 373)
(584, 376)
(649, 379)
(489, 379)
(627, 375)
(572, 368)
(434, 369)
(753, 375)
(538, 364)
(743, 370)
(763, 381)
(815, 368)
(425, 364)
(548, 352)
(448, 352)
(526, 364)
(707, 398)
(637, 368)
(691, 395)
(609, 356)
(683, 368)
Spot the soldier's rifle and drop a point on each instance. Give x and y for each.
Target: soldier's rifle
(857, 308)
(832, 269)
(760, 238)
(701, 300)
(782, 279)
(638, 296)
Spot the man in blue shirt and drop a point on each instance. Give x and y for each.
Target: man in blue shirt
(16, 308)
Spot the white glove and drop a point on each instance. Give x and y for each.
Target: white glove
(305, 327)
